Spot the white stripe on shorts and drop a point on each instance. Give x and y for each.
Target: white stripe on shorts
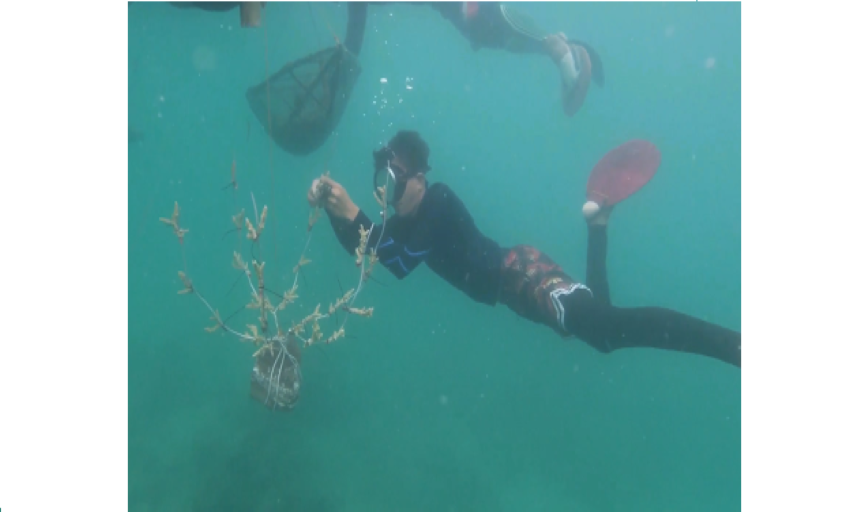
(556, 300)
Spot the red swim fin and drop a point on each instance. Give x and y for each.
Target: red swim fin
(622, 171)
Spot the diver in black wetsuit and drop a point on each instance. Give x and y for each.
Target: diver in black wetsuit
(485, 25)
(433, 226)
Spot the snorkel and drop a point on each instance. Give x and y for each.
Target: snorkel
(383, 173)
(382, 164)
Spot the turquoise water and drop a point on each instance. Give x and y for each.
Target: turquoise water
(435, 403)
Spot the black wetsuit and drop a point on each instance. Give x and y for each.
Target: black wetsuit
(444, 236)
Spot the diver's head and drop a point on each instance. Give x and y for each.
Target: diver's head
(401, 167)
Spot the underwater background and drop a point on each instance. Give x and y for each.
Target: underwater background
(436, 402)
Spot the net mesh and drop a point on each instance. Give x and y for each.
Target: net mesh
(301, 104)
(276, 376)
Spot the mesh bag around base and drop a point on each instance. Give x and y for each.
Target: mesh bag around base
(276, 376)
(300, 105)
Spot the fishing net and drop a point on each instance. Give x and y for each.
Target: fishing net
(276, 376)
(300, 105)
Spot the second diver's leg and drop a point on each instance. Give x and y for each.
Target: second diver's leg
(498, 26)
(485, 25)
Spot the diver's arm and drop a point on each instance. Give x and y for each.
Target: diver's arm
(347, 231)
(356, 14)
(400, 258)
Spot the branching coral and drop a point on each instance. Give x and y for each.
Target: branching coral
(276, 375)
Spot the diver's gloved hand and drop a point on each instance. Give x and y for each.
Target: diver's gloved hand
(333, 197)
(576, 70)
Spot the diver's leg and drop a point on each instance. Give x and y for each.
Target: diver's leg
(486, 25)
(536, 288)
(597, 251)
(494, 25)
(597, 262)
(608, 328)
